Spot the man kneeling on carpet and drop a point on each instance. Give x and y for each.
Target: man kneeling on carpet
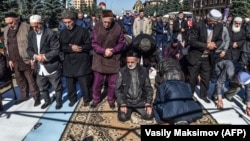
(235, 73)
(134, 91)
(174, 101)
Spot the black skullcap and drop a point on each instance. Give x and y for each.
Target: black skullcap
(133, 53)
(141, 10)
(11, 15)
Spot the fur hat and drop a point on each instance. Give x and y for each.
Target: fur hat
(35, 19)
(68, 14)
(214, 15)
(107, 13)
(11, 15)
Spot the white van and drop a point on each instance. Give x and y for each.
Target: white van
(186, 13)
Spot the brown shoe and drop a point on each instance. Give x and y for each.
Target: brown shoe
(85, 104)
(37, 102)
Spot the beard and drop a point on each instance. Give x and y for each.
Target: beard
(235, 29)
(69, 27)
(132, 67)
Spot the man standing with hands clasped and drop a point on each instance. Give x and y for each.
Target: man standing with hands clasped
(44, 48)
(75, 44)
(205, 36)
(107, 42)
(16, 43)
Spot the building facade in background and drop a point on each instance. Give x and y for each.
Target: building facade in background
(77, 3)
(202, 7)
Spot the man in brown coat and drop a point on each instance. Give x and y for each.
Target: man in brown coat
(107, 43)
(16, 43)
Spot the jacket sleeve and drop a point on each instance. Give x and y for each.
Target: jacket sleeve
(148, 89)
(86, 46)
(120, 44)
(120, 96)
(97, 49)
(30, 48)
(2, 66)
(225, 71)
(194, 38)
(54, 47)
(226, 38)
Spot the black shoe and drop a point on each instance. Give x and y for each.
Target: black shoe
(20, 101)
(58, 106)
(45, 105)
(85, 104)
(37, 102)
(205, 99)
(112, 105)
(214, 98)
(93, 105)
(72, 103)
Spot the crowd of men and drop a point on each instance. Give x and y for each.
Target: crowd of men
(91, 52)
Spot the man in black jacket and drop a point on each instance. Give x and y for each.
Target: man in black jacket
(43, 48)
(205, 36)
(134, 91)
(76, 46)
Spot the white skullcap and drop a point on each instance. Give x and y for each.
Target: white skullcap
(238, 19)
(35, 19)
(214, 15)
(247, 19)
(244, 78)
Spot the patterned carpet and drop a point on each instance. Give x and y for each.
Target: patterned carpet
(101, 124)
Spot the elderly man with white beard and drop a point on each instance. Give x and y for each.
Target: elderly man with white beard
(237, 39)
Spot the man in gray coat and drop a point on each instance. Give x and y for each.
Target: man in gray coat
(232, 71)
